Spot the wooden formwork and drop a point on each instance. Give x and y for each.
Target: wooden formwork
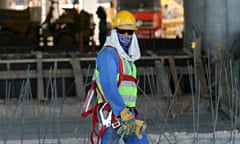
(163, 67)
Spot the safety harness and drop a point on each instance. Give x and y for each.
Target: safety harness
(108, 119)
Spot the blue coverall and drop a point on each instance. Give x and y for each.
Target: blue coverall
(108, 67)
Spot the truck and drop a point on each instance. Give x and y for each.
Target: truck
(148, 15)
(19, 30)
(69, 28)
(17, 27)
(72, 28)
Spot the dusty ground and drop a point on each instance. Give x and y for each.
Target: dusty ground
(59, 121)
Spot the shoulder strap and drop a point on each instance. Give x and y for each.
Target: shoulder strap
(121, 74)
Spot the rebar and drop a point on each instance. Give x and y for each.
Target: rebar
(49, 117)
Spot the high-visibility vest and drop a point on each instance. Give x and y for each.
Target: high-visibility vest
(127, 82)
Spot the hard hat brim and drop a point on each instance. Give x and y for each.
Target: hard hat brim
(127, 28)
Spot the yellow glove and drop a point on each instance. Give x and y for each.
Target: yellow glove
(140, 127)
(128, 123)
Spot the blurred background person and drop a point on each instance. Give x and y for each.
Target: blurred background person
(103, 27)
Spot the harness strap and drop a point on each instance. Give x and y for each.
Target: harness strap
(94, 122)
(94, 111)
(103, 128)
(115, 122)
(121, 73)
(127, 78)
(86, 113)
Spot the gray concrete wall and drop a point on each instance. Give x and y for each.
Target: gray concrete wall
(218, 23)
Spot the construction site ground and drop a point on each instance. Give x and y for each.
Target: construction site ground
(58, 121)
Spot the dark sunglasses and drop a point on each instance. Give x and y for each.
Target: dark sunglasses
(130, 32)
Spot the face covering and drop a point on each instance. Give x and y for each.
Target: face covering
(124, 41)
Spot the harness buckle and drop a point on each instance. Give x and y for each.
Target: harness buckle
(105, 116)
(116, 124)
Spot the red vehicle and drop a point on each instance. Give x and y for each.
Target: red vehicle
(148, 15)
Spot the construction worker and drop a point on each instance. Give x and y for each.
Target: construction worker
(116, 80)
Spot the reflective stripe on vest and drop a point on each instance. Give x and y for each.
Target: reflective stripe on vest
(126, 88)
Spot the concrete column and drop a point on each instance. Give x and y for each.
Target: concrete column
(4, 4)
(217, 23)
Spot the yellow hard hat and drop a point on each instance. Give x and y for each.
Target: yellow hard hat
(124, 20)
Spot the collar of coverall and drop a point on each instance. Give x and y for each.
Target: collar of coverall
(133, 51)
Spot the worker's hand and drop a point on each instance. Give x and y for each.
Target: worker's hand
(140, 127)
(128, 124)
